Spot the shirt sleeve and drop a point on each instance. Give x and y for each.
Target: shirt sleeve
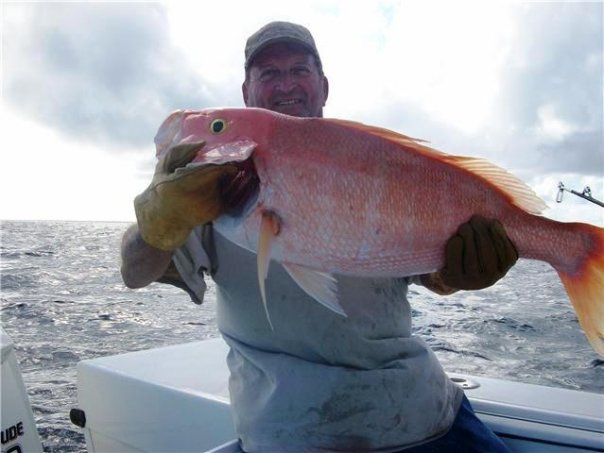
(192, 261)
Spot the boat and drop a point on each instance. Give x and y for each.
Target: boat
(19, 433)
(175, 399)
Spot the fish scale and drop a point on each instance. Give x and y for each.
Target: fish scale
(378, 240)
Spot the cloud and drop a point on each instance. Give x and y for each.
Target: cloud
(552, 88)
(517, 83)
(101, 72)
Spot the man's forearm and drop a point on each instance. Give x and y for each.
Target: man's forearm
(142, 264)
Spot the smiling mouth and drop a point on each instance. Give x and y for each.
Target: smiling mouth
(286, 102)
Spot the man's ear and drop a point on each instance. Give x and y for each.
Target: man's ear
(325, 89)
(244, 92)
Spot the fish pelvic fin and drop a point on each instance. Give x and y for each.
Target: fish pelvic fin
(515, 190)
(585, 288)
(270, 225)
(321, 286)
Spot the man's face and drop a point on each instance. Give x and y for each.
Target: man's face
(286, 79)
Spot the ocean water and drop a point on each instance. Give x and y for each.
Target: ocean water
(63, 301)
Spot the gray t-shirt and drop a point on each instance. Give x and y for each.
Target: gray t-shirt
(319, 381)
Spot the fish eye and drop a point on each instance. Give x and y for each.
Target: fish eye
(217, 126)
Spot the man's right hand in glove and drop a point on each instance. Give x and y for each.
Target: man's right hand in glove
(180, 198)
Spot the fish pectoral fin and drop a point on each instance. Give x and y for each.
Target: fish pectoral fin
(321, 286)
(269, 229)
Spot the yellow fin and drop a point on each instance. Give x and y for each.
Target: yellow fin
(585, 288)
(321, 286)
(269, 229)
(518, 192)
(379, 131)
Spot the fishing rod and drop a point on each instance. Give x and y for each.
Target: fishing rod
(586, 194)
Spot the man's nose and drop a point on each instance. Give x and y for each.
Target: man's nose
(286, 81)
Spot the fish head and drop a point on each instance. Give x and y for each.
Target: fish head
(229, 135)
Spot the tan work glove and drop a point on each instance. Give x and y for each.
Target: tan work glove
(179, 198)
(475, 258)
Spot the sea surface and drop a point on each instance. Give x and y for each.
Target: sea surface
(63, 301)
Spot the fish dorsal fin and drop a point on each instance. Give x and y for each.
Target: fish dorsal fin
(387, 134)
(518, 192)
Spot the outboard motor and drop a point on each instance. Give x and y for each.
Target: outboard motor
(19, 433)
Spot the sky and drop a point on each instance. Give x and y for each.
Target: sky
(85, 85)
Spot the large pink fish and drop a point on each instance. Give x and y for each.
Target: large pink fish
(338, 197)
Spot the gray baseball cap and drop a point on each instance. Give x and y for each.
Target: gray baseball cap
(275, 32)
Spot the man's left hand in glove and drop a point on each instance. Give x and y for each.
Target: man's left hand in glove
(475, 258)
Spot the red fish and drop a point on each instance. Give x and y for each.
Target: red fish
(338, 197)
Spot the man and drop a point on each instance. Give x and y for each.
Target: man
(318, 381)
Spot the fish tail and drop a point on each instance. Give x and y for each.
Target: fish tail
(584, 283)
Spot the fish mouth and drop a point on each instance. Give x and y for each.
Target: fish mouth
(237, 190)
(227, 153)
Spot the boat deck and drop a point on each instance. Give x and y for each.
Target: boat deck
(176, 399)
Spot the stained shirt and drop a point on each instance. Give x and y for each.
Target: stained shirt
(319, 381)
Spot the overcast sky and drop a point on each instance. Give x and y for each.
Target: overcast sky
(85, 86)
